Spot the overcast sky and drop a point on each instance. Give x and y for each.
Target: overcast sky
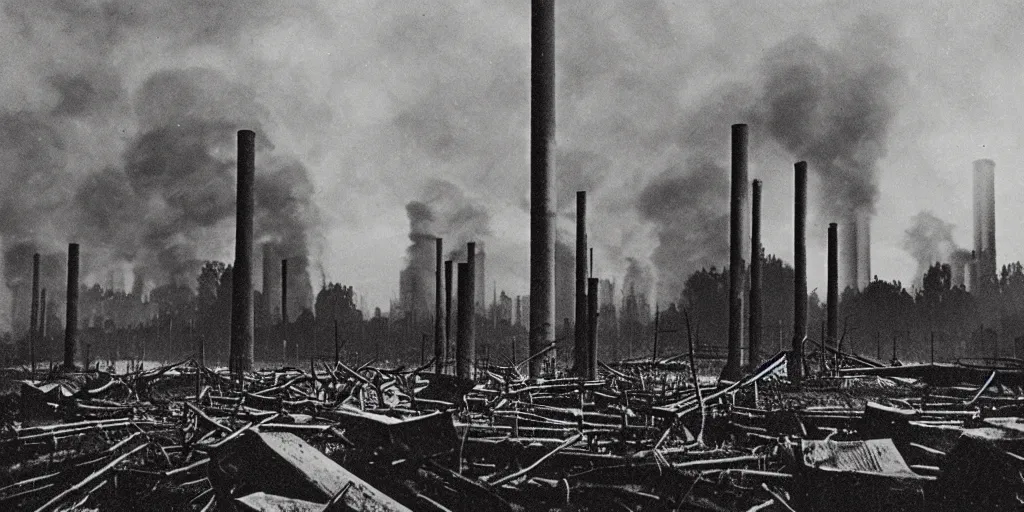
(388, 102)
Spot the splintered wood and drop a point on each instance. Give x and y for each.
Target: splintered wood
(643, 435)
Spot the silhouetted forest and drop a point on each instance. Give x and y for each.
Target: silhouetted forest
(176, 321)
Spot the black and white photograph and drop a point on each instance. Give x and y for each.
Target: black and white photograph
(511, 255)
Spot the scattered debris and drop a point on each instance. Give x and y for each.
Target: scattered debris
(641, 436)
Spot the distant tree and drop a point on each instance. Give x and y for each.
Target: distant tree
(706, 297)
(937, 281)
(883, 310)
(335, 303)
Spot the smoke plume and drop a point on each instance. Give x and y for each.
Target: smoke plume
(692, 224)
(445, 212)
(638, 281)
(832, 106)
(134, 157)
(930, 240)
(418, 276)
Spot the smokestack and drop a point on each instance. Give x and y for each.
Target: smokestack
(754, 350)
(832, 328)
(34, 315)
(580, 356)
(447, 310)
(592, 309)
(42, 315)
(471, 261)
(284, 291)
(848, 277)
(464, 342)
(737, 244)
(971, 270)
(469, 347)
(480, 276)
(863, 249)
(71, 316)
(542, 183)
(284, 310)
(439, 319)
(242, 320)
(984, 222)
(795, 366)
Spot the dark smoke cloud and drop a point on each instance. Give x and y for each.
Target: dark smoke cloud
(163, 213)
(91, 92)
(458, 218)
(692, 222)
(182, 177)
(929, 240)
(288, 217)
(832, 106)
(33, 157)
(189, 22)
(646, 91)
(421, 253)
(33, 198)
(133, 156)
(445, 212)
(639, 280)
(828, 104)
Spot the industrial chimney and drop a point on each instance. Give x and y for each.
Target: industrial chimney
(832, 296)
(285, 349)
(242, 320)
(970, 270)
(542, 183)
(480, 277)
(439, 319)
(756, 282)
(449, 333)
(984, 223)
(580, 354)
(863, 249)
(592, 312)
(42, 315)
(34, 317)
(464, 342)
(855, 251)
(737, 251)
(71, 313)
(795, 363)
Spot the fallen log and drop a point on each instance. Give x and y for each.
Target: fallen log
(282, 464)
(525, 471)
(89, 479)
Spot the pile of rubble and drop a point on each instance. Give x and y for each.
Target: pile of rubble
(646, 435)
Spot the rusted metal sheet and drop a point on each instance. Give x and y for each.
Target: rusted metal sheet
(858, 475)
(263, 502)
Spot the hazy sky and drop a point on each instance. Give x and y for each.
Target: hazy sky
(382, 99)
